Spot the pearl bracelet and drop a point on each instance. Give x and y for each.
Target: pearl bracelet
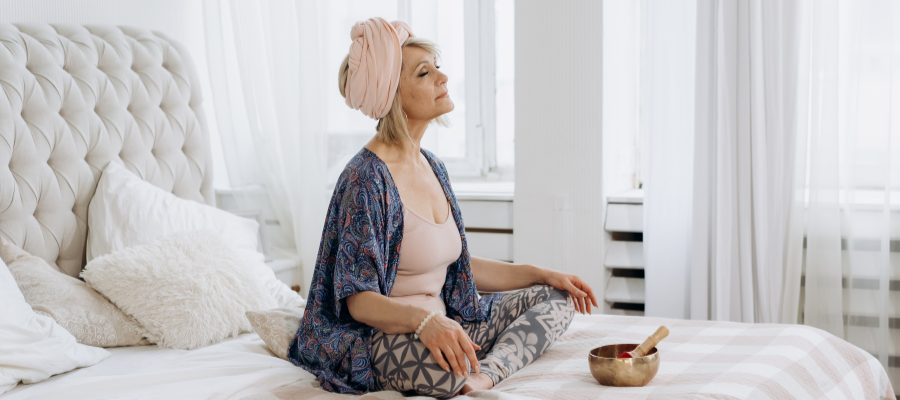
(425, 321)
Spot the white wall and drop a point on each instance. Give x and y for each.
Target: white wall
(667, 124)
(178, 19)
(621, 85)
(559, 204)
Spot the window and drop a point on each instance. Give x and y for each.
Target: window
(477, 53)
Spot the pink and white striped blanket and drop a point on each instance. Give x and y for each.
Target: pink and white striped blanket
(699, 359)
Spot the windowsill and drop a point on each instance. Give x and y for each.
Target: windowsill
(484, 191)
(466, 190)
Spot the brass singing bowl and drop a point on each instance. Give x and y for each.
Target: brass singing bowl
(628, 372)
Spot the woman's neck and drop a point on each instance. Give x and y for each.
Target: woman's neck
(405, 150)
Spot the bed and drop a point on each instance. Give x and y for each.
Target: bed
(77, 98)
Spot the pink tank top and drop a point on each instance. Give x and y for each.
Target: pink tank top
(427, 249)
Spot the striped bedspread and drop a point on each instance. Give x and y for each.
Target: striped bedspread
(699, 359)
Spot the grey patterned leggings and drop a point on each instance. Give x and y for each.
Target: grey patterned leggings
(523, 325)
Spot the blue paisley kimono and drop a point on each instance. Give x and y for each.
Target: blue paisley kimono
(360, 251)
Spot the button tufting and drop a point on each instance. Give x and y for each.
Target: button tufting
(52, 183)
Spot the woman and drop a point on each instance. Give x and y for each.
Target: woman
(393, 302)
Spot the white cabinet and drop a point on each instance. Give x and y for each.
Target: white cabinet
(284, 269)
(495, 246)
(624, 259)
(621, 254)
(487, 210)
(625, 290)
(624, 217)
(489, 228)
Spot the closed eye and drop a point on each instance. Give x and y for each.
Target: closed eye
(426, 72)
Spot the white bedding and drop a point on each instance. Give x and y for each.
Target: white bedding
(234, 368)
(699, 359)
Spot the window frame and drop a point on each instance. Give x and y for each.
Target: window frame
(480, 160)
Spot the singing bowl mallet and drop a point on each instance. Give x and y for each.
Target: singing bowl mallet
(648, 344)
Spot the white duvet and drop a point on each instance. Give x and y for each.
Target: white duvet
(234, 368)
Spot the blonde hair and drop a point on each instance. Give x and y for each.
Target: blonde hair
(392, 127)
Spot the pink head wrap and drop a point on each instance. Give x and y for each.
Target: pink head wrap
(375, 60)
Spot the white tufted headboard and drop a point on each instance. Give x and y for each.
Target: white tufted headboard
(76, 98)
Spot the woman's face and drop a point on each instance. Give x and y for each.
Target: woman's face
(423, 88)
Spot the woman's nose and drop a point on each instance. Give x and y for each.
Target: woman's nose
(442, 78)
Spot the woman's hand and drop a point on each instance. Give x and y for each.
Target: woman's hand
(581, 293)
(447, 339)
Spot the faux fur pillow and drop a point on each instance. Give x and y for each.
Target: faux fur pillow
(276, 327)
(187, 290)
(89, 317)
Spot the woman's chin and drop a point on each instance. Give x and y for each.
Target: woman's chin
(445, 105)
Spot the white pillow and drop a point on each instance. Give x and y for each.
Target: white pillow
(33, 347)
(127, 211)
(188, 290)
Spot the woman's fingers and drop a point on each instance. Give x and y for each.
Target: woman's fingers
(590, 292)
(469, 348)
(574, 294)
(450, 355)
(578, 297)
(439, 357)
(461, 360)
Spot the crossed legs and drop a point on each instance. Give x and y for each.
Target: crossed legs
(523, 325)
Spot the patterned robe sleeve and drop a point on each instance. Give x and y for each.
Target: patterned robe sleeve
(359, 253)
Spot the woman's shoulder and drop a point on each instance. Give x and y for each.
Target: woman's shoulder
(439, 168)
(365, 170)
(432, 158)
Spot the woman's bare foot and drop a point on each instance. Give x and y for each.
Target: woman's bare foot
(477, 381)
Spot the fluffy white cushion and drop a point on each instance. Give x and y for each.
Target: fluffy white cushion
(127, 211)
(188, 290)
(33, 347)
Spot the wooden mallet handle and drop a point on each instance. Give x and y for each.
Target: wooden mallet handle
(650, 343)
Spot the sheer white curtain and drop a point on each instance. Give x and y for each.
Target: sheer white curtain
(745, 145)
(267, 86)
(796, 166)
(718, 92)
(851, 127)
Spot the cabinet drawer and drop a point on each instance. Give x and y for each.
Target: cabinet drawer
(495, 246)
(625, 217)
(624, 290)
(624, 255)
(487, 214)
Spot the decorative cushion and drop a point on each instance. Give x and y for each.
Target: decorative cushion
(276, 327)
(87, 315)
(127, 211)
(74, 99)
(187, 290)
(33, 347)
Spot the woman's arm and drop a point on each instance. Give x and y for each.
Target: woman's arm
(499, 276)
(444, 337)
(385, 314)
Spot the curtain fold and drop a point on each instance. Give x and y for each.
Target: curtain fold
(745, 144)
(265, 67)
(796, 166)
